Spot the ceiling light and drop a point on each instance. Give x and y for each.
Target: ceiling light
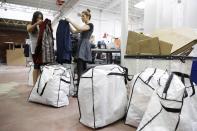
(140, 5)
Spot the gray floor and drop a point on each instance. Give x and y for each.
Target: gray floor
(17, 114)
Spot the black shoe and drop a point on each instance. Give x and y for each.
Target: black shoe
(75, 95)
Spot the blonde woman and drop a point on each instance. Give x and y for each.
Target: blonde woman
(84, 54)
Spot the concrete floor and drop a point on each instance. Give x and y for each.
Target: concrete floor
(17, 114)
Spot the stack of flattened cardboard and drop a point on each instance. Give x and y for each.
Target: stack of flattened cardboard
(139, 44)
(182, 38)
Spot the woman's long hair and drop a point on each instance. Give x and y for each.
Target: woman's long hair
(34, 20)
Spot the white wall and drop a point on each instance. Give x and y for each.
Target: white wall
(169, 14)
(190, 8)
(124, 29)
(157, 14)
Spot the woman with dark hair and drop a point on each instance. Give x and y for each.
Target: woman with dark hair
(84, 54)
(33, 30)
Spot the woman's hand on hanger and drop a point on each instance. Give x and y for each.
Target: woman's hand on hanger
(39, 22)
(67, 19)
(77, 27)
(30, 27)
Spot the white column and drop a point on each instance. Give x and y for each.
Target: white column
(150, 16)
(124, 28)
(100, 23)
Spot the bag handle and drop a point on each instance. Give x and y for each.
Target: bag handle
(183, 76)
(43, 89)
(167, 85)
(124, 73)
(151, 76)
(40, 87)
(173, 110)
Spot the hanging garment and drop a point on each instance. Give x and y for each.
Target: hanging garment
(63, 42)
(52, 86)
(44, 52)
(102, 95)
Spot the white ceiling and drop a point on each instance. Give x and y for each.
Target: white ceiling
(51, 4)
(46, 4)
(135, 15)
(105, 5)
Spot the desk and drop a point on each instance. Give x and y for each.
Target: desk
(12, 45)
(108, 53)
(106, 50)
(14, 56)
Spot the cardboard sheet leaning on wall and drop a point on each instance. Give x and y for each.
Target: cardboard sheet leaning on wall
(182, 39)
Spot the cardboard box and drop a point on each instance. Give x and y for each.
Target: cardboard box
(139, 44)
(15, 57)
